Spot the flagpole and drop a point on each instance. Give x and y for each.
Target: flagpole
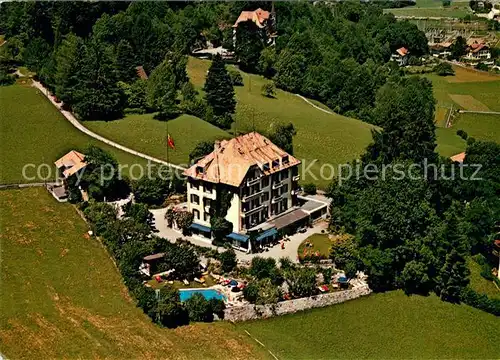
(168, 145)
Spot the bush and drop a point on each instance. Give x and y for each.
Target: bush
(199, 308)
(309, 188)
(262, 268)
(6, 78)
(268, 90)
(482, 66)
(480, 301)
(235, 76)
(470, 141)
(444, 69)
(228, 260)
(462, 134)
(262, 292)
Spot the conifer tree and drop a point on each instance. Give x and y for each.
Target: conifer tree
(161, 91)
(125, 62)
(219, 89)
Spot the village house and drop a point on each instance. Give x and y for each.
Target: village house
(478, 51)
(401, 56)
(441, 50)
(69, 165)
(260, 183)
(262, 18)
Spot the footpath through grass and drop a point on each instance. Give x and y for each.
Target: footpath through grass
(32, 131)
(62, 297)
(389, 325)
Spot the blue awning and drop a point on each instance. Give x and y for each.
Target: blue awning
(266, 234)
(200, 227)
(238, 237)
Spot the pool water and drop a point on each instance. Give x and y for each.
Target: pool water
(207, 294)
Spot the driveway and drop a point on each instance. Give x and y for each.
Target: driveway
(276, 252)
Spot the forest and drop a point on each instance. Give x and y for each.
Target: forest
(87, 53)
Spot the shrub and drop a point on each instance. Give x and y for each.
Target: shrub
(462, 134)
(470, 141)
(444, 69)
(309, 188)
(228, 260)
(480, 301)
(235, 76)
(199, 308)
(262, 268)
(482, 66)
(262, 292)
(268, 90)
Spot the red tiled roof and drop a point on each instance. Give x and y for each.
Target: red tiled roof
(229, 164)
(257, 16)
(72, 162)
(402, 51)
(458, 157)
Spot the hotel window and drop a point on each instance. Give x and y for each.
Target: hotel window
(208, 188)
(195, 199)
(285, 159)
(265, 167)
(265, 196)
(284, 189)
(195, 185)
(196, 214)
(265, 182)
(276, 163)
(284, 175)
(206, 217)
(199, 170)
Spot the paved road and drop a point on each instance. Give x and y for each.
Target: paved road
(276, 252)
(70, 117)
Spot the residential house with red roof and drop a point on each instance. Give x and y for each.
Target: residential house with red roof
(401, 56)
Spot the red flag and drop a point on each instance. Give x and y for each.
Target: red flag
(170, 142)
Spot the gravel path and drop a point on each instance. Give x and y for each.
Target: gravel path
(70, 117)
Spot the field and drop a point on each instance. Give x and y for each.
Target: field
(149, 136)
(468, 90)
(32, 131)
(320, 242)
(389, 325)
(62, 297)
(433, 8)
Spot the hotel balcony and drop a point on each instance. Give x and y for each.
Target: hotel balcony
(276, 199)
(296, 177)
(249, 197)
(254, 181)
(295, 191)
(245, 213)
(278, 184)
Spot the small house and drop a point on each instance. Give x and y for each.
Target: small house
(401, 56)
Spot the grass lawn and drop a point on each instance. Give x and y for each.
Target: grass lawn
(32, 131)
(389, 325)
(62, 297)
(467, 89)
(431, 8)
(479, 283)
(320, 242)
(149, 136)
(331, 139)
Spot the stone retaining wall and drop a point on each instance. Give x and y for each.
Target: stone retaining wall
(253, 312)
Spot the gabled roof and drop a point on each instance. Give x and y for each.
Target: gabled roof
(72, 162)
(230, 161)
(402, 51)
(458, 157)
(257, 16)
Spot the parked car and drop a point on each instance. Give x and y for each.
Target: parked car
(302, 229)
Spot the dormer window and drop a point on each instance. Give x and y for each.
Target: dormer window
(265, 167)
(285, 159)
(276, 163)
(200, 170)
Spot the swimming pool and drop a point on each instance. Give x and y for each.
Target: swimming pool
(207, 294)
